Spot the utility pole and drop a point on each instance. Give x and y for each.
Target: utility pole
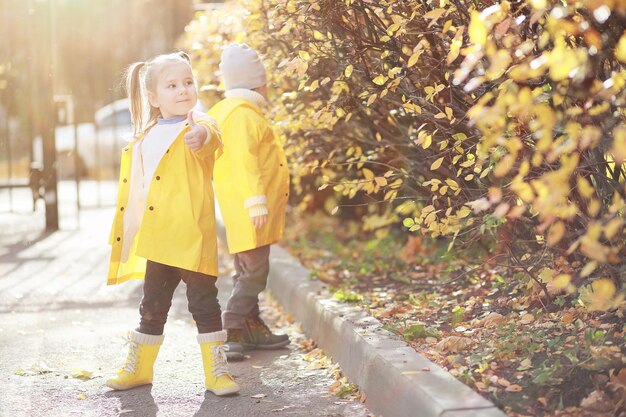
(43, 105)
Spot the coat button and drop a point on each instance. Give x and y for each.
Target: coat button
(286, 194)
(125, 180)
(158, 178)
(168, 151)
(121, 208)
(281, 165)
(151, 208)
(118, 239)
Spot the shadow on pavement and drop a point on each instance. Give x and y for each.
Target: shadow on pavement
(213, 405)
(137, 402)
(11, 252)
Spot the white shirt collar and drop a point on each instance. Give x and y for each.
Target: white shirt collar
(249, 95)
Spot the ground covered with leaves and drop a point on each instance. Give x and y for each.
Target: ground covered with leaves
(491, 327)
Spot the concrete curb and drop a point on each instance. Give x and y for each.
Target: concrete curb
(389, 371)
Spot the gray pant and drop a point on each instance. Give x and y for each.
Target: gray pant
(251, 270)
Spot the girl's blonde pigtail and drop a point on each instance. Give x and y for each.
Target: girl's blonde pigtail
(134, 91)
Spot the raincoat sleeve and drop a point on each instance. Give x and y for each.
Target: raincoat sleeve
(213, 141)
(244, 135)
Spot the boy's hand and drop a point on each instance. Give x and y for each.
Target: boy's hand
(197, 135)
(259, 221)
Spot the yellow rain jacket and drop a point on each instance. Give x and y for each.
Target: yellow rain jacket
(178, 224)
(251, 170)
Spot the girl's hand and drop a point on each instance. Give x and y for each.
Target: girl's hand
(259, 221)
(197, 135)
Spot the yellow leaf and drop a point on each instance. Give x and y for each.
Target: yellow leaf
(561, 281)
(368, 174)
(411, 107)
(414, 58)
(584, 188)
(618, 150)
(348, 71)
(463, 212)
(436, 164)
(434, 15)
(317, 35)
(588, 269)
(504, 165)
(381, 181)
(599, 295)
(428, 139)
(304, 55)
(612, 227)
(380, 80)
(453, 184)
(563, 61)
(620, 49)
(477, 30)
(455, 45)
(556, 232)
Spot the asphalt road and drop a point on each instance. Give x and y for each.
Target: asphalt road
(62, 328)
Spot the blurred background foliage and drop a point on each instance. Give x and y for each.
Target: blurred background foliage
(72, 48)
(482, 124)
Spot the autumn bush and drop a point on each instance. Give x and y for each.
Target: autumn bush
(499, 123)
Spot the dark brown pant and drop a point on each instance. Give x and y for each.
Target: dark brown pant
(158, 290)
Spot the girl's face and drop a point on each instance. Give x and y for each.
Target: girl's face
(175, 90)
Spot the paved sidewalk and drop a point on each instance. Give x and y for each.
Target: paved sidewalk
(60, 322)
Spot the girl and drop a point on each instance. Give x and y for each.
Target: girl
(164, 227)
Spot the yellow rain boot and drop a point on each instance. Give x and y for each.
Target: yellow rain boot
(142, 352)
(217, 378)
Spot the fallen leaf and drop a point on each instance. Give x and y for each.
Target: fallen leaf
(513, 388)
(525, 365)
(597, 401)
(527, 318)
(568, 318)
(454, 344)
(503, 382)
(83, 374)
(619, 380)
(493, 320)
(38, 368)
(481, 386)
(277, 410)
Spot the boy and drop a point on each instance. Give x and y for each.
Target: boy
(251, 181)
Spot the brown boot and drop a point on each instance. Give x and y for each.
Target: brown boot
(256, 335)
(234, 344)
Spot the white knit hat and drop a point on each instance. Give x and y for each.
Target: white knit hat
(242, 67)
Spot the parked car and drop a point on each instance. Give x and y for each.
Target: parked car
(98, 145)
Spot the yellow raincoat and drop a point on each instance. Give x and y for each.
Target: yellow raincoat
(178, 224)
(252, 169)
